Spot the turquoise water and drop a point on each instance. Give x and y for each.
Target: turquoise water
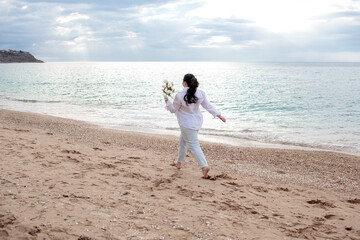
(312, 105)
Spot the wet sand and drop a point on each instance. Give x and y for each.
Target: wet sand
(65, 179)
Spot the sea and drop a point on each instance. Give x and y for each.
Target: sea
(310, 105)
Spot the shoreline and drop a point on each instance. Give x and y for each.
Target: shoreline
(67, 179)
(233, 141)
(205, 137)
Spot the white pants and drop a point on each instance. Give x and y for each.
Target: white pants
(189, 139)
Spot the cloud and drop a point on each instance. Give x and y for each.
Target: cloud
(72, 17)
(228, 30)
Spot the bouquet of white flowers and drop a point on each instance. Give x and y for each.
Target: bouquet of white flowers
(168, 89)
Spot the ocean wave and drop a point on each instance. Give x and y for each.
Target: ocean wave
(29, 100)
(269, 138)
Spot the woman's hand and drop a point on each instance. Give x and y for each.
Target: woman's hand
(166, 99)
(221, 118)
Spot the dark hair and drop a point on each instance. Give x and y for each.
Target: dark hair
(193, 85)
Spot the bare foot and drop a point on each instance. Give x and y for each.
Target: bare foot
(176, 164)
(205, 171)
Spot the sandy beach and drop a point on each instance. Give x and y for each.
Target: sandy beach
(65, 179)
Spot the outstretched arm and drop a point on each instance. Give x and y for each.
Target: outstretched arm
(211, 109)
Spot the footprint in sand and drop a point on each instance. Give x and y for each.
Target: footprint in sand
(84, 238)
(260, 189)
(278, 215)
(70, 151)
(222, 176)
(185, 192)
(38, 155)
(78, 175)
(3, 234)
(7, 220)
(233, 186)
(230, 205)
(320, 203)
(354, 201)
(176, 175)
(137, 176)
(158, 182)
(34, 231)
(124, 162)
(333, 217)
(72, 159)
(282, 189)
(106, 165)
(21, 130)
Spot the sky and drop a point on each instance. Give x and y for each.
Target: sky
(183, 30)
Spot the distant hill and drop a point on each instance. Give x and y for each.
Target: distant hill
(13, 56)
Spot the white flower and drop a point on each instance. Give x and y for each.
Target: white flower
(168, 88)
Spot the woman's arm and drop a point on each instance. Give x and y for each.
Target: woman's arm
(173, 107)
(211, 109)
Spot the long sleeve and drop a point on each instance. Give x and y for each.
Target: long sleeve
(189, 115)
(209, 107)
(173, 107)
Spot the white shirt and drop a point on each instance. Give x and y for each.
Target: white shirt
(189, 116)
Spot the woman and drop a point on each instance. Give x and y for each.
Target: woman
(186, 107)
